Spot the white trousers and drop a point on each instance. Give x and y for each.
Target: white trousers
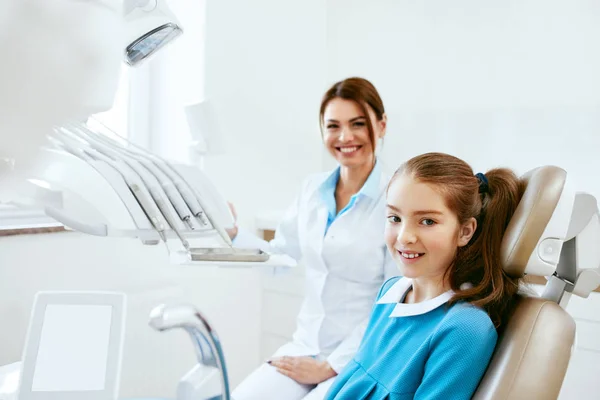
(265, 383)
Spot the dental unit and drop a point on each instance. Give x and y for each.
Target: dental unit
(94, 182)
(97, 183)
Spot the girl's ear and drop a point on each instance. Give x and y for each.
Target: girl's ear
(466, 232)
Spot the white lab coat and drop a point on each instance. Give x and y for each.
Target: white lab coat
(344, 268)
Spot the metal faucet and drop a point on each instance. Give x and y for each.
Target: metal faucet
(206, 343)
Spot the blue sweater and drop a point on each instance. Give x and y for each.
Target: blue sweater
(418, 351)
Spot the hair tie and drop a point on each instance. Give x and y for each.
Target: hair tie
(483, 182)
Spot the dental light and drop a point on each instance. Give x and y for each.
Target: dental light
(150, 26)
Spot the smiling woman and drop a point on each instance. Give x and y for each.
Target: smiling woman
(352, 121)
(336, 227)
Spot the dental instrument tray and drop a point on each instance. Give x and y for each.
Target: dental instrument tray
(228, 254)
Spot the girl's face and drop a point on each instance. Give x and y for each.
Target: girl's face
(346, 134)
(421, 233)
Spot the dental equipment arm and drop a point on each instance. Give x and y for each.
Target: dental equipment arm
(184, 189)
(206, 203)
(151, 176)
(135, 178)
(147, 179)
(562, 231)
(132, 180)
(578, 269)
(176, 189)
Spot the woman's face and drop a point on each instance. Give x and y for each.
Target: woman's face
(346, 134)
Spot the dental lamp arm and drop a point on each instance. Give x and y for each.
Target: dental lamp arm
(578, 270)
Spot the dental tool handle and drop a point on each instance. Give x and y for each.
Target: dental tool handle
(151, 210)
(170, 220)
(159, 164)
(178, 202)
(169, 188)
(183, 187)
(192, 202)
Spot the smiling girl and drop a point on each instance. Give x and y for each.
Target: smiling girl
(432, 332)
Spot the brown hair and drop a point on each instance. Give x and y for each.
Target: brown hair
(479, 262)
(362, 92)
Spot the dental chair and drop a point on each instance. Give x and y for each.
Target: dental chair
(554, 233)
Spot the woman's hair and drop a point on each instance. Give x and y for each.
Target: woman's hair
(363, 93)
(491, 199)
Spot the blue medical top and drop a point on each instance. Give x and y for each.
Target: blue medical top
(426, 350)
(327, 191)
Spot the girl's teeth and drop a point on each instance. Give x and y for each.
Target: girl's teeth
(348, 149)
(411, 255)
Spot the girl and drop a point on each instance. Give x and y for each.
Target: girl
(432, 332)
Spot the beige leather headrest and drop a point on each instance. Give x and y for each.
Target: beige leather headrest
(544, 186)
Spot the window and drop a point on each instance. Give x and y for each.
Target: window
(177, 80)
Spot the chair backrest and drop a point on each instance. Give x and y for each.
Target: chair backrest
(532, 354)
(533, 351)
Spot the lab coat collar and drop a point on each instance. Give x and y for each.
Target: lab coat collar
(371, 187)
(396, 293)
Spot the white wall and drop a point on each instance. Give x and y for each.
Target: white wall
(265, 74)
(512, 83)
(153, 361)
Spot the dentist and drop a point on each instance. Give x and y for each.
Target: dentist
(335, 227)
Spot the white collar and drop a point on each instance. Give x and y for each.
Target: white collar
(397, 291)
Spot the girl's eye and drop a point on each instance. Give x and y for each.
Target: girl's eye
(331, 126)
(359, 124)
(428, 222)
(393, 219)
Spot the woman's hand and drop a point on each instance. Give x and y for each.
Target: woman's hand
(305, 370)
(232, 232)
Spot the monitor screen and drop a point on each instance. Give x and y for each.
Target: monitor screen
(73, 348)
